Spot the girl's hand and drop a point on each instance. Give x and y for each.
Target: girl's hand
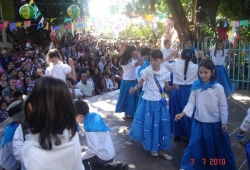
(39, 72)
(132, 90)
(179, 116)
(71, 62)
(175, 86)
(224, 128)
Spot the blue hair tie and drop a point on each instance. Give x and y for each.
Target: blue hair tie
(187, 54)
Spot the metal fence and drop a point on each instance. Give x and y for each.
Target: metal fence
(237, 64)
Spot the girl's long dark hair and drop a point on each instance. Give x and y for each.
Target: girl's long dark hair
(49, 111)
(216, 47)
(208, 64)
(126, 56)
(187, 56)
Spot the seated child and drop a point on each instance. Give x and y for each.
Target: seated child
(3, 112)
(100, 150)
(7, 159)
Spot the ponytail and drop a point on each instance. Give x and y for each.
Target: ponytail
(187, 56)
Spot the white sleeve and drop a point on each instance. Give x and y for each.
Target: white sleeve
(92, 141)
(196, 54)
(18, 142)
(245, 125)
(170, 66)
(189, 108)
(143, 75)
(133, 62)
(66, 68)
(223, 105)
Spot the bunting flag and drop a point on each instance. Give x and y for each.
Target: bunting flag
(161, 17)
(67, 20)
(1, 27)
(79, 25)
(80, 20)
(19, 24)
(31, 2)
(236, 24)
(58, 28)
(26, 24)
(148, 18)
(13, 26)
(47, 26)
(244, 23)
(52, 19)
(5, 23)
(68, 26)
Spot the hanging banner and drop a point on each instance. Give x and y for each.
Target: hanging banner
(5, 23)
(26, 24)
(13, 26)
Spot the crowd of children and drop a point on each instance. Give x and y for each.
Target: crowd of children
(81, 66)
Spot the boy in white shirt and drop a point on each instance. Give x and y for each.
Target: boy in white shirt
(100, 150)
(109, 84)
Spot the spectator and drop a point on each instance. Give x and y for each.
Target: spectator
(3, 112)
(100, 86)
(8, 93)
(113, 80)
(5, 59)
(49, 129)
(3, 82)
(85, 86)
(109, 84)
(102, 63)
(96, 75)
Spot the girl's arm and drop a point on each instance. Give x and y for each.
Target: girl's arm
(205, 45)
(234, 47)
(73, 94)
(137, 86)
(169, 88)
(72, 74)
(138, 58)
(172, 54)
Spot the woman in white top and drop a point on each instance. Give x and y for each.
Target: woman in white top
(185, 72)
(127, 103)
(47, 138)
(56, 67)
(209, 144)
(218, 56)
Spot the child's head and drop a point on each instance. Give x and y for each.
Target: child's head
(145, 52)
(186, 55)
(112, 77)
(3, 105)
(82, 109)
(20, 74)
(105, 74)
(49, 111)
(207, 71)
(156, 58)
(219, 45)
(187, 43)
(53, 56)
(167, 43)
(69, 81)
(18, 95)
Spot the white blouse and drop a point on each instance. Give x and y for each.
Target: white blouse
(152, 92)
(177, 68)
(211, 105)
(245, 125)
(166, 52)
(59, 71)
(220, 58)
(129, 70)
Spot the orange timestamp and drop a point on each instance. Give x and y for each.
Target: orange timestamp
(211, 161)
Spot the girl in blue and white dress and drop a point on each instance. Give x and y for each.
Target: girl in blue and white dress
(151, 125)
(218, 56)
(130, 59)
(209, 147)
(184, 73)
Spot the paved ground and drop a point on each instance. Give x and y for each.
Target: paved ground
(131, 152)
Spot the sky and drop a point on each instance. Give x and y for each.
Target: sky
(99, 8)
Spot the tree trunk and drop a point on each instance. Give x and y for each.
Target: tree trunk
(207, 14)
(179, 18)
(194, 3)
(152, 6)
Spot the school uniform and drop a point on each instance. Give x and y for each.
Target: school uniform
(126, 102)
(208, 142)
(179, 97)
(222, 75)
(166, 52)
(151, 125)
(59, 71)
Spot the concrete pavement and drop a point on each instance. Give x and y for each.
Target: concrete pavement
(131, 152)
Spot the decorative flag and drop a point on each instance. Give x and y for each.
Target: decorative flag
(41, 22)
(80, 20)
(19, 24)
(13, 26)
(5, 23)
(148, 18)
(67, 20)
(236, 23)
(58, 27)
(79, 25)
(47, 26)
(31, 2)
(244, 23)
(155, 28)
(161, 17)
(1, 27)
(68, 26)
(52, 19)
(26, 24)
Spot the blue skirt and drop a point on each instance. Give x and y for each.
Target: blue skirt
(126, 102)
(224, 80)
(140, 98)
(171, 77)
(177, 101)
(151, 126)
(208, 149)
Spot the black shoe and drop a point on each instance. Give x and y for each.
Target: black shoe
(124, 167)
(178, 138)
